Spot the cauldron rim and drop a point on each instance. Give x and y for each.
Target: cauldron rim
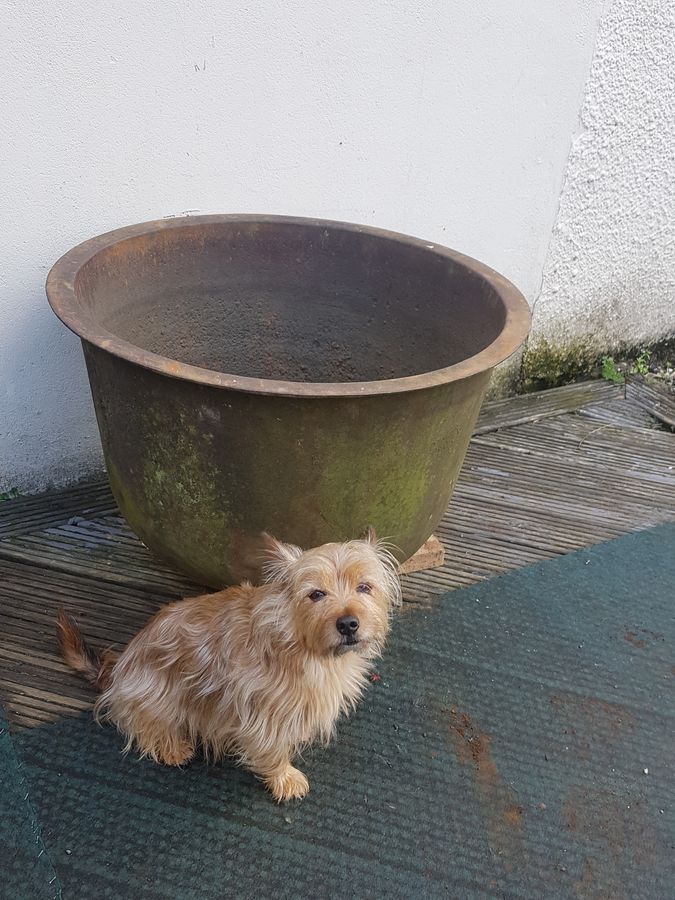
(61, 293)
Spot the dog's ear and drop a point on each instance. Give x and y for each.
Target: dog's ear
(287, 553)
(370, 536)
(279, 558)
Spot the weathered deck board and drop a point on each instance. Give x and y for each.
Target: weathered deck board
(545, 474)
(657, 401)
(530, 407)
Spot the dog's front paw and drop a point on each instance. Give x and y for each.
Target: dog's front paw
(290, 784)
(173, 751)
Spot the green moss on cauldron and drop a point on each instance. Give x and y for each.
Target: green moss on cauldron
(175, 482)
(189, 490)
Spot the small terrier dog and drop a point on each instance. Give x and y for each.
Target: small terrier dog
(257, 673)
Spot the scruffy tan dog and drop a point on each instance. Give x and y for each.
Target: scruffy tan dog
(253, 672)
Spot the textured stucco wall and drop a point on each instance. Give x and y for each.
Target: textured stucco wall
(610, 272)
(447, 119)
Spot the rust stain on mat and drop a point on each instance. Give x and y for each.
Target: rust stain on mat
(641, 637)
(502, 814)
(609, 827)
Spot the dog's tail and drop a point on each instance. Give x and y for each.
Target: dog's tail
(94, 666)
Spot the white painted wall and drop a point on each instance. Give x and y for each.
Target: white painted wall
(447, 119)
(610, 272)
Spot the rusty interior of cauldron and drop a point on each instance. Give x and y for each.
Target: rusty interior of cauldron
(291, 302)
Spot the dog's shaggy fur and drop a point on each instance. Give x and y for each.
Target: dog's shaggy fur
(253, 672)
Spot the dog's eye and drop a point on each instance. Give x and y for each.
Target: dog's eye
(363, 588)
(317, 595)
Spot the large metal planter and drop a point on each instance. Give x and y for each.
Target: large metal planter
(357, 361)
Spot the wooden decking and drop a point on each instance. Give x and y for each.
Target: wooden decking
(545, 474)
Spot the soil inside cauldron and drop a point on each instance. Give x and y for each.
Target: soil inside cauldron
(294, 334)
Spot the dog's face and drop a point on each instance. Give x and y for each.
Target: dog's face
(340, 595)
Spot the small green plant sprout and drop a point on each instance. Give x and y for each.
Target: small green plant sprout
(641, 364)
(11, 494)
(610, 372)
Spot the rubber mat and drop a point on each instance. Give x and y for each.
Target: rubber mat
(515, 741)
(26, 872)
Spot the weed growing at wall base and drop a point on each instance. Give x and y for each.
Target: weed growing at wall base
(610, 372)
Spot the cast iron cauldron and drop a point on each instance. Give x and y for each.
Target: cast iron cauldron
(259, 374)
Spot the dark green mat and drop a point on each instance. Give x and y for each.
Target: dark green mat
(26, 872)
(502, 752)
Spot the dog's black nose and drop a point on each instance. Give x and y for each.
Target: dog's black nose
(347, 625)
